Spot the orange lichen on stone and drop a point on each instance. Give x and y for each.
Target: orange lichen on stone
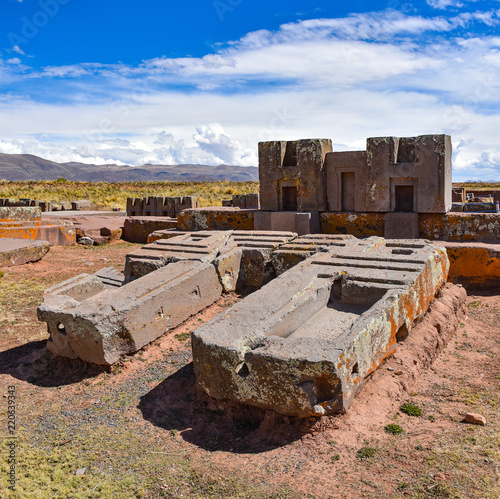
(216, 218)
(475, 263)
(483, 227)
(357, 224)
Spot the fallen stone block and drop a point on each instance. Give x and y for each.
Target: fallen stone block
(19, 214)
(20, 251)
(203, 246)
(303, 344)
(90, 320)
(473, 264)
(82, 204)
(165, 234)
(102, 229)
(246, 258)
(26, 223)
(110, 277)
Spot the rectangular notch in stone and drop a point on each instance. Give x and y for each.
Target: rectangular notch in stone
(348, 193)
(290, 158)
(404, 198)
(406, 152)
(289, 198)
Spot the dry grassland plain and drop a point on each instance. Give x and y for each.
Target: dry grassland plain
(107, 196)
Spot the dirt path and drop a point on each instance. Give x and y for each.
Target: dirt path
(142, 430)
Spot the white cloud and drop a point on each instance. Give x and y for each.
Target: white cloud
(444, 4)
(209, 145)
(346, 79)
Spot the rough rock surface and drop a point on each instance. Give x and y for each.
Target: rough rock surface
(92, 321)
(20, 251)
(303, 344)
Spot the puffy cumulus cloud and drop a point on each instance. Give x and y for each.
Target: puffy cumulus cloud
(481, 166)
(209, 145)
(213, 140)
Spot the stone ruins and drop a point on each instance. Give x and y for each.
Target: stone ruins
(302, 344)
(400, 177)
(326, 308)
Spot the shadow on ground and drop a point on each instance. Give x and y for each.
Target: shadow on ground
(34, 364)
(177, 406)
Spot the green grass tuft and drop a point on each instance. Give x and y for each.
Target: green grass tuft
(393, 429)
(366, 452)
(411, 409)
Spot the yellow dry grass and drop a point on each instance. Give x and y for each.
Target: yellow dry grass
(107, 196)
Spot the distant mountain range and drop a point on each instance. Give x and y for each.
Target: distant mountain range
(29, 167)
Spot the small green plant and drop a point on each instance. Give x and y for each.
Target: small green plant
(431, 418)
(1, 274)
(182, 336)
(402, 486)
(366, 452)
(419, 447)
(393, 429)
(474, 304)
(335, 457)
(411, 409)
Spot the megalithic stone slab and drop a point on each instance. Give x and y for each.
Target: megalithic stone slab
(20, 251)
(303, 344)
(245, 260)
(87, 320)
(203, 246)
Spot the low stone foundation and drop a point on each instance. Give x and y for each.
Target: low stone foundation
(216, 218)
(479, 227)
(27, 223)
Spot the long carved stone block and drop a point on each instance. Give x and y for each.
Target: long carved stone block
(203, 246)
(90, 318)
(303, 344)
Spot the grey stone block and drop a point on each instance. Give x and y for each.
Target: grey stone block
(88, 320)
(303, 344)
(401, 225)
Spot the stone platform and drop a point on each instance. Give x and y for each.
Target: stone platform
(26, 223)
(137, 229)
(303, 344)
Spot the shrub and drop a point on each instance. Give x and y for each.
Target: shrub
(411, 409)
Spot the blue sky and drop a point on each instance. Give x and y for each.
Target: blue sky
(204, 81)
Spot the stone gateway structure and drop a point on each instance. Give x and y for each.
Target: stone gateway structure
(400, 176)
